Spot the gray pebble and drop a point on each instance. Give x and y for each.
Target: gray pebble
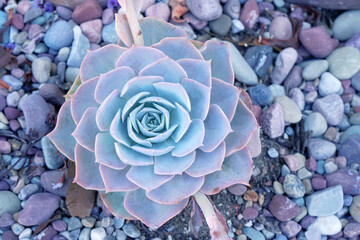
(316, 124)
(293, 187)
(321, 149)
(131, 230)
(41, 69)
(52, 159)
(314, 69)
(329, 84)
(344, 62)
(28, 190)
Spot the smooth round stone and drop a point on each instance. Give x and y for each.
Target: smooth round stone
(131, 230)
(277, 90)
(318, 183)
(294, 78)
(325, 202)
(321, 149)
(52, 94)
(232, 8)
(260, 95)
(329, 225)
(249, 13)
(9, 203)
(273, 153)
(331, 107)
(329, 84)
(283, 208)
(34, 30)
(292, 113)
(250, 213)
(20, 164)
(283, 65)
(71, 74)
(28, 190)
(108, 16)
(13, 82)
(293, 187)
(259, 58)
(298, 97)
(281, 28)
(316, 124)
(354, 41)
(159, 10)
(355, 81)
(253, 234)
(146, 4)
(51, 157)
(346, 25)
(221, 26)
(41, 48)
(49, 178)
(355, 208)
(87, 11)
(79, 48)
(317, 41)
(18, 21)
(242, 70)
(21, 37)
(237, 26)
(59, 225)
(350, 149)
(206, 10)
(347, 178)
(314, 69)
(74, 223)
(352, 229)
(38, 208)
(23, 7)
(92, 30)
(292, 162)
(355, 119)
(64, 12)
(109, 34)
(59, 35)
(344, 62)
(12, 99)
(32, 14)
(98, 233)
(290, 228)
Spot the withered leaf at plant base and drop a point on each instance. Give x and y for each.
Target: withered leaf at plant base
(79, 201)
(196, 218)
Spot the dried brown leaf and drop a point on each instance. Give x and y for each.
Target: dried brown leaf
(79, 201)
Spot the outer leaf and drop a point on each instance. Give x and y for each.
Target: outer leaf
(154, 215)
(100, 61)
(83, 98)
(61, 135)
(219, 54)
(145, 177)
(116, 180)
(178, 48)
(217, 127)
(87, 170)
(198, 70)
(206, 163)
(168, 193)
(154, 30)
(237, 168)
(132, 157)
(169, 165)
(86, 130)
(105, 153)
(114, 201)
(244, 125)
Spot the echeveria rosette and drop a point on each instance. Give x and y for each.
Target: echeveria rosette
(152, 125)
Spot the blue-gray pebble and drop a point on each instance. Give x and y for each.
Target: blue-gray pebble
(260, 95)
(59, 35)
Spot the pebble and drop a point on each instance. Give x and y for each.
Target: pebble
(354, 41)
(36, 112)
(355, 208)
(206, 10)
(272, 121)
(236, 26)
(292, 113)
(13, 82)
(41, 68)
(32, 14)
(290, 228)
(325, 202)
(108, 16)
(331, 107)
(52, 94)
(316, 124)
(21, 37)
(249, 13)
(59, 35)
(18, 21)
(51, 157)
(25, 234)
(87, 11)
(17, 228)
(344, 62)
(92, 30)
(298, 97)
(98, 233)
(85, 234)
(253, 234)
(28, 190)
(74, 223)
(242, 70)
(350, 149)
(38, 208)
(281, 28)
(131, 230)
(232, 8)
(352, 229)
(321, 149)
(283, 208)
(259, 58)
(347, 178)
(283, 65)
(294, 78)
(250, 213)
(64, 12)
(329, 225)
(318, 183)
(59, 225)
(292, 162)
(273, 153)
(329, 84)
(79, 48)
(314, 69)
(221, 26)
(9, 203)
(109, 34)
(34, 31)
(260, 95)
(5, 147)
(293, 187)
(346, 25)
(23, 7)
(71, 74)
(317, 41)
(159, 10)
(330, 167)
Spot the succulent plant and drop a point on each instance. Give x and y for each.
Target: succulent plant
(150, 126)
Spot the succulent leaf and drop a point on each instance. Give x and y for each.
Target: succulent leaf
(116, 180)
(170, 165)
(198, 70)
(114, 201)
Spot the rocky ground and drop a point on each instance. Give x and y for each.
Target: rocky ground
(299, 64)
